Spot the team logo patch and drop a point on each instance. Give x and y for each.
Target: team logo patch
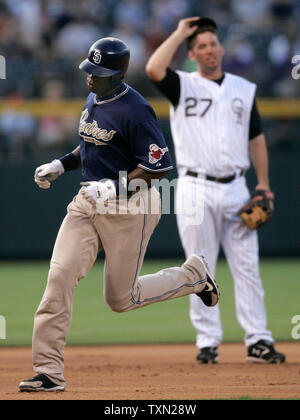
(97, 57)
(238, 108)
(156, 153)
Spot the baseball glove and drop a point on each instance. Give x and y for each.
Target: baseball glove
(259, 209)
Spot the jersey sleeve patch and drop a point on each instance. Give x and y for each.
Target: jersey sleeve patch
(149, 147)
(156, 153)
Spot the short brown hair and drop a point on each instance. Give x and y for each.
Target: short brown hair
(204, 25)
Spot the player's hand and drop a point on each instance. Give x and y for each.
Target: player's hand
(270, 195)
(103, 190)
(47, 173)
(184, 26)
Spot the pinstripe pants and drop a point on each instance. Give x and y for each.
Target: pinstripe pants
(222, 227)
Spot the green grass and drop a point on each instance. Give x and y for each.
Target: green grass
(23, 283)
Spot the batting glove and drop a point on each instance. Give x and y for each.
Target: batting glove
(47, 173)
(99, 190)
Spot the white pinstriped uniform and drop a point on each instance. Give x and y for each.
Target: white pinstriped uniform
(210, 129)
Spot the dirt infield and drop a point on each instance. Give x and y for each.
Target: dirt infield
(155, 372)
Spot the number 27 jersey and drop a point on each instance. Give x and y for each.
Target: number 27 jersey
(210, 124)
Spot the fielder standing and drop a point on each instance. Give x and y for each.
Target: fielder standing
(120, 143)
(216, 130)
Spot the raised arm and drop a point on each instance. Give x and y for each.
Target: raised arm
(161, 58)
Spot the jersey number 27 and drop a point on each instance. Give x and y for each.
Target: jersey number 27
(191, 103)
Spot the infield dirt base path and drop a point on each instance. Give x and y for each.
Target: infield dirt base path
(156, 372)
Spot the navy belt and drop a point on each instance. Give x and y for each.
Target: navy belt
(224, 180)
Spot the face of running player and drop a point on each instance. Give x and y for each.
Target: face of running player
(102, 86)
(207, 52)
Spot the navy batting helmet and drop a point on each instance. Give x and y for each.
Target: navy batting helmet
(107, 57)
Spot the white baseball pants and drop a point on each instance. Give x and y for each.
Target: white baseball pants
(222, 226)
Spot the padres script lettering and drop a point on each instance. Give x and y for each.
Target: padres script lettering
(92, 130)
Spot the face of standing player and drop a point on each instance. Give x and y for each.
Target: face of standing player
(208, 53)
(102, 86)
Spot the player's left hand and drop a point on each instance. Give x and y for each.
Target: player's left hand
(259, 209)
(47, 173)
(99, 190)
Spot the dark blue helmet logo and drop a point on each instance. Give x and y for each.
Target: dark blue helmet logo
(107, 57)
(96, 56)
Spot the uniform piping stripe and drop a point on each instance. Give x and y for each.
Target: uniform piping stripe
(154, 170)
(169, 291)
(111, 99)
(139, 302)
(138, 262)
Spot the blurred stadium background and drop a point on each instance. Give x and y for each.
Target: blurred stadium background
(41, 98)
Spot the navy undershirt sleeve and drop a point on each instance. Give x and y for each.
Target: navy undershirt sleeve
(255, 122)
(169, 86)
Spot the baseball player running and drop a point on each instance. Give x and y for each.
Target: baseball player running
(118, 133)
(216, 130)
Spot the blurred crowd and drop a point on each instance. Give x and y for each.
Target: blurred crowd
(43, 41)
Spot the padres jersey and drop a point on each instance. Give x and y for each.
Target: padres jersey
(119, 133)
(202, 140)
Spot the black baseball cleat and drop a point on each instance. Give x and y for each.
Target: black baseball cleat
(39, 383)
(208, 355)
(209, 290)
(210, 294)
(264, 352)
